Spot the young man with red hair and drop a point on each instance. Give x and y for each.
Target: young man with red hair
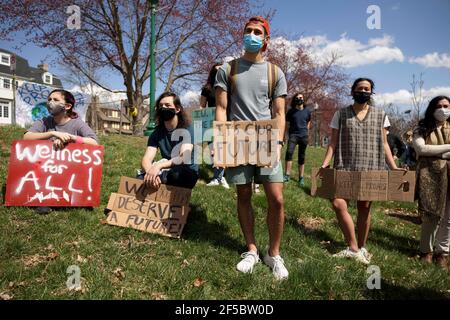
(245, 90)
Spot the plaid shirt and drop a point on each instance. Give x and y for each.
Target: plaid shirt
(360, 143)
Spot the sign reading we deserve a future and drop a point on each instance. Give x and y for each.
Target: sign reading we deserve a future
(163, 211)
(38, 175)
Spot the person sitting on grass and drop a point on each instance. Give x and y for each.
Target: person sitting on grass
(63, 126)
(173, 137)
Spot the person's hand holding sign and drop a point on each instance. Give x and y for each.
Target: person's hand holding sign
(152, 178)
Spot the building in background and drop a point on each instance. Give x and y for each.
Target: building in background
(23, 73)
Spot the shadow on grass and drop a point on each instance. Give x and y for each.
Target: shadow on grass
(392, 242)
(198, 228)
(410, 218)
(205, 172)
(389, 291)
(322, 237)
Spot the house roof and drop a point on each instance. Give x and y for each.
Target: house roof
(104, 117)
(23, 70)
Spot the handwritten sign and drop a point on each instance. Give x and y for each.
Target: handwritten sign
(203, 120)
(245, 142)
(163, 211)
(363, 185)
(41, 176)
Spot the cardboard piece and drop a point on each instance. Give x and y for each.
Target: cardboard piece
(170, 194)
(364, 185)
(147, 208)
(238, 143)
(167, 227)
(163, 211)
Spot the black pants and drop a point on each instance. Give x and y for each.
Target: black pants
(178, 176)
(302, 143)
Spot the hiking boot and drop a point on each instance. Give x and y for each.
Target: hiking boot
(249, 259)
(213, 183)
(277, 265)
(286, 178)
(442, 260)
(426, 258)
(350, 254)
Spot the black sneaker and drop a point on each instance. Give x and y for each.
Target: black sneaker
(43, 210)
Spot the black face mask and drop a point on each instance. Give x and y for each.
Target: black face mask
(298, 101)
(167, 113)
(361, 97)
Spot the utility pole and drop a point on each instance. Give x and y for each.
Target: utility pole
(150, 123)
(13, 69)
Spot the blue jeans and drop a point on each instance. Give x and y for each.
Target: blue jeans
(218, 173)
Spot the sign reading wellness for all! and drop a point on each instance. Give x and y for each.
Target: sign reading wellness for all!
(38, 175)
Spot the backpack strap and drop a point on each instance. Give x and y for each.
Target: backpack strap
(272, 77)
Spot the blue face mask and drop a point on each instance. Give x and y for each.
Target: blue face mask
(252, 43)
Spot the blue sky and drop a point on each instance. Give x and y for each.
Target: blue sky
(410, 29)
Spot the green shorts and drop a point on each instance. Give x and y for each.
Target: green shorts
(245, 174)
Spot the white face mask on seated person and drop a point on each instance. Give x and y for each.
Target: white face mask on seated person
(441, 114)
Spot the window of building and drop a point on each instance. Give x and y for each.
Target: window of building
(4, 109)
(5, 59)
(6, 83)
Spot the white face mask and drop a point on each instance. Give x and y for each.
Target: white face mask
(441, 114)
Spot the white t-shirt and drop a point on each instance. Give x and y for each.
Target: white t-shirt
(334, 124)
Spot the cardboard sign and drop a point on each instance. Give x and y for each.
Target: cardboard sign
(169, 194)
(245, 142)
(169, 227)
(147, 208)
(38, 175)
(363, 185)
(163, 211)
(203, 120)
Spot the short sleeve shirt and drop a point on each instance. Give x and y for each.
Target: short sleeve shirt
(161, 139)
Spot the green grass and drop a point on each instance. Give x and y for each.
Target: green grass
(36, 250)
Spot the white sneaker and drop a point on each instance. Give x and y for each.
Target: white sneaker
(224, 183)
(277, 265)
(257, 188)
(249, 259)
(348, 253)
(366, 254)
(214, 182)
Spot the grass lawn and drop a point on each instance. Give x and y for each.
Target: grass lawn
(121, 263)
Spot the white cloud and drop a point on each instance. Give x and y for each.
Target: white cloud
(190, 98)
(104, 96)
(403, 97)
(433, 60)
(352, 53)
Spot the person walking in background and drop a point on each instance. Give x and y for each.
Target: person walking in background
(298, 121)
(432, 144)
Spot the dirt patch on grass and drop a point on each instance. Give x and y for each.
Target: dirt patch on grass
(310, 224)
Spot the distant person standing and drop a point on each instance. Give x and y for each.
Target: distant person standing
(208, 99)
(298, 121)
(396, 144)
